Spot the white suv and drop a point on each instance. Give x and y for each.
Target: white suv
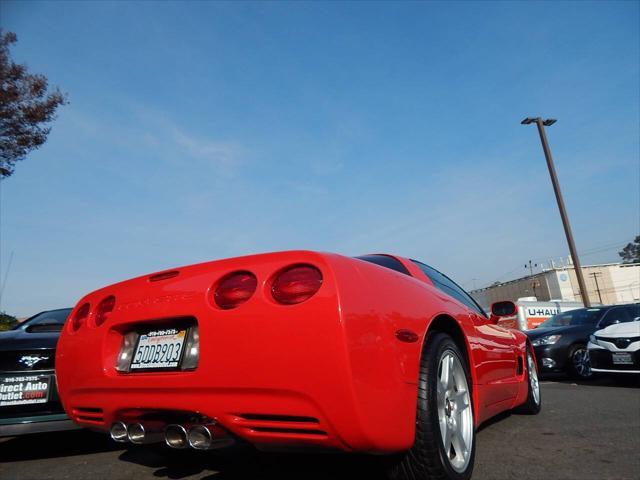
(616, 348)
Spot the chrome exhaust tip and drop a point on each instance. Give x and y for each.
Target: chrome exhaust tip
(139, 435)
(118, 432)
(200, 437)
(209, 437)
(136, 433)
(176, 436)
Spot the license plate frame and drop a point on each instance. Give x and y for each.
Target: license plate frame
(15, 397)
(156, 366)
(621, 358)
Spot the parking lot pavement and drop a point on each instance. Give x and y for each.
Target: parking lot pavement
(588, 431)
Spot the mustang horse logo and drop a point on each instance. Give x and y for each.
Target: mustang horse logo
(31, 360)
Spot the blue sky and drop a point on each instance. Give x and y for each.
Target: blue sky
(198, 131)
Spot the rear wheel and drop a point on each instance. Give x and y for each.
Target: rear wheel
(579, 362)
(534, 400)
(444, 446)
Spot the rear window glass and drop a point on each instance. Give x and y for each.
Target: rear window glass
(448, 286)
(53, 317)
(385, 261)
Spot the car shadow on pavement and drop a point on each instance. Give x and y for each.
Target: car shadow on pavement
(493, 420)
(244, 463)
(55, 445)
(599, 380)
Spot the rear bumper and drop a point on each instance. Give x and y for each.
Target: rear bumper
(311, 408)
(263, 417)
(323, 414)
(252, 399)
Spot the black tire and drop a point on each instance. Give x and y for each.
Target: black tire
(577, 368)
(532, 406)
(427, 458)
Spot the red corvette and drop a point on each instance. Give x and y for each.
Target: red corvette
(377, 354)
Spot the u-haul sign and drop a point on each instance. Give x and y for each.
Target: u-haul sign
(532, 313)
(542, 312)
(536, 315)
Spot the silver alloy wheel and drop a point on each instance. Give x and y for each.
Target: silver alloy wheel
(581, 362)
(534, 385)
(455, 414)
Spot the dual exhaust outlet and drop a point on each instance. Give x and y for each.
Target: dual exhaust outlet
(199, 437)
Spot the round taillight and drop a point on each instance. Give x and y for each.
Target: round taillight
(235, 289)
(80, 317)
(104, 309)
(296, 284)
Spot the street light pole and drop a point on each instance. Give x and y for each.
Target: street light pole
(540, 123)
(533, 282)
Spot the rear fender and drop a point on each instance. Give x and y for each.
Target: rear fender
(376, 302)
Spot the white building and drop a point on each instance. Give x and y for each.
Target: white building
(607, 284)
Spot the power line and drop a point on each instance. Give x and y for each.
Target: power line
(591, 250)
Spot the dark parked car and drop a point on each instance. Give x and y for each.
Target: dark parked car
(560, 343)
(29, 400)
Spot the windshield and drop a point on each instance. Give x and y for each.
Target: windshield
(52, 318)
(583, 316)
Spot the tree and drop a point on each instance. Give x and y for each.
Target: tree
(631, 253)
(26, 108)
(7, 322)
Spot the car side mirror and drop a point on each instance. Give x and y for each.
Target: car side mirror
(502, 309)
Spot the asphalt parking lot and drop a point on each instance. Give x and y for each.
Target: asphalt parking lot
(587, 431)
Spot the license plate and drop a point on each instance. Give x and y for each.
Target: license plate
(159, 349)
(622, 358)
(24, 389)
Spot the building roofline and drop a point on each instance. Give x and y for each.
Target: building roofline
(554, 269)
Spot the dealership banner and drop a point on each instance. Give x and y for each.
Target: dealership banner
(24, 389)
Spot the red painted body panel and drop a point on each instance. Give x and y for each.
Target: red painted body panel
(333, 362)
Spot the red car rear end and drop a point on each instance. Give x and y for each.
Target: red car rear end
(275, 368)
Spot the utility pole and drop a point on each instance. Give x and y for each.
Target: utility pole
(540, 123)
(595, 276)
(530, 267)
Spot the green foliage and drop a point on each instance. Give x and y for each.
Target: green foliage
(7, 321)
(26, 108)
(631, 253)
